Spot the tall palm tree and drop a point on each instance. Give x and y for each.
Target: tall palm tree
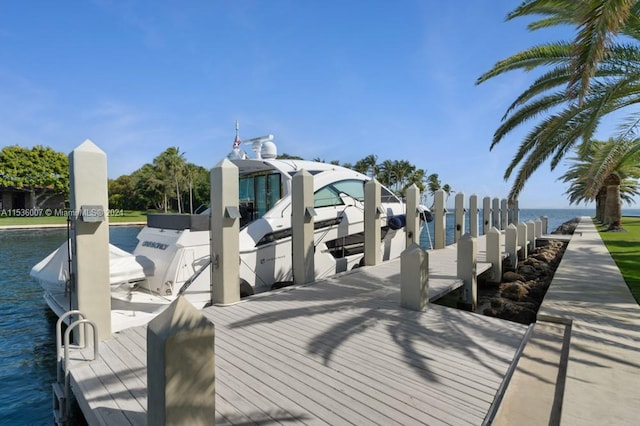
(170, 166)
(585, 79)
(368, 164)
(607, 173)
(416, 178)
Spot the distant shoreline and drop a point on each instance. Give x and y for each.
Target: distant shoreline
(60, 226)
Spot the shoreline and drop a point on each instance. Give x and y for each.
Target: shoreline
(60, 226)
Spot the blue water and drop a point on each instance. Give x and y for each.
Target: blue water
(27, 335)
(556, 217)
(27, 326)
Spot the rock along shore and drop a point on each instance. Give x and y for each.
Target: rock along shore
(519, 295)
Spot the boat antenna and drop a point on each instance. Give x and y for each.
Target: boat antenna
(237, 141)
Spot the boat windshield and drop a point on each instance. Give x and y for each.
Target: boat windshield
(330, 194)
(259, 192)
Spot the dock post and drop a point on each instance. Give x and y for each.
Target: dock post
(440, 220)
(531, 235)
(486, 214)
(225, 229)
(494, 254)
(473, 215)
(545, 224)
(372, 212)
(181, 367)
(302, 221)
(414, 278)
(495, 213)
(538, 226)
(460, 213)
(467, 271)
(413, 216)
(504, 214)
(523, 240)
(516, 212)
(90, 235)
(511, 244)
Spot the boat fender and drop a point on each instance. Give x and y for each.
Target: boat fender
(397, 221)
(426, 216)
(245, 288)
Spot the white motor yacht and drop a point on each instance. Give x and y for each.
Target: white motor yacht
(172, 254)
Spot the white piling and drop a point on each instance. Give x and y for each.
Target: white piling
(516, 212)
(467, 270)
(486, 214)
(225, 229)
(538, 227)
(511, 244)
(545, 224)
(414, 278)
(460, 213)
(413, 216)
(494, 254)
(504, 214)
(302, 221)
(473, 215)
(372, 212)
(181, 367)
(90, 261)
(523, 240)
(531, 235)
(440, 220)
(495, 213)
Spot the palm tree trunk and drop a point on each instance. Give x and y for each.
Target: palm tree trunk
(613, 205)
(601, 200)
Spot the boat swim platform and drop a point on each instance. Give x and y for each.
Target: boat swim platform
(337, 351)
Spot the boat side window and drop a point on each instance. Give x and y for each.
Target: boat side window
(330, 194)
(258, 193)
(388, 196)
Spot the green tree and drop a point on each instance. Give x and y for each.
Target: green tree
(40, 170)
(170, 167)
(198, 184)
(434, 184)
(416, 178)
(285, 156)
(368, 165)
(581, 81)
(122, 193)
(607, 173)
(150, 190)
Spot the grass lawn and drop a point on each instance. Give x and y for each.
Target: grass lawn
(53, 218)
(625, 250)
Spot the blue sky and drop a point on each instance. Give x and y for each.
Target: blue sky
(336, 80)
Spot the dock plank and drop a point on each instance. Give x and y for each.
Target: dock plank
(338, 351)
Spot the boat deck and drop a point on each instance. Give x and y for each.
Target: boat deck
(337, 351)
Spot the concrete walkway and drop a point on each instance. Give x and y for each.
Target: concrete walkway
(581, 365)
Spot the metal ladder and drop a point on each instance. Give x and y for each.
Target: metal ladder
(61, 388)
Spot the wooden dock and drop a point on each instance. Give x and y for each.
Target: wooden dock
(338, 351)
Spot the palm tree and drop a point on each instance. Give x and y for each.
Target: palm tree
(584, 80)
(367, 165)
(416, 178)
(170, 166)
(607, 173)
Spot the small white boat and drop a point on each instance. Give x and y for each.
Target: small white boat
(172, 254)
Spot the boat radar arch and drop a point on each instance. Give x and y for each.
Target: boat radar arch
(263, 147)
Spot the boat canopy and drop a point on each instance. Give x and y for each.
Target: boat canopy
(53, 270)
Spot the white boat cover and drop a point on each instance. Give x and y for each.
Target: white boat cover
(53, 271)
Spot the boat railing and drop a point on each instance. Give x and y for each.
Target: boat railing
(193, 277)
(61, 388)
